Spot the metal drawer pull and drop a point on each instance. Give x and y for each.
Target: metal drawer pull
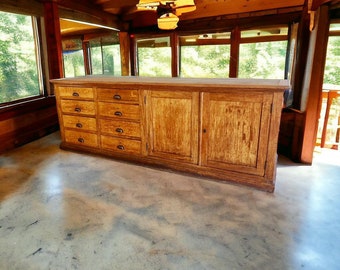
(118, 113)
(118, 97)
(81, 140)
(120, 147)
(75, 94)
(77, 109)
(119, 130)
(79, 125)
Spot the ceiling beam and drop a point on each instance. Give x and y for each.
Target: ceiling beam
(86, 11)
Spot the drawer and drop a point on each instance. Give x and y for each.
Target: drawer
(79, 122)
(78, 107)
(117, 95)
(81, 138)
(121, 145)
(120, 128)
(117, 110)
(76, 92)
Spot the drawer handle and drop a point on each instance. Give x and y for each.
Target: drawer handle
(120, 147)
(119, 130)
(118, 113)
(79, 125)
(77, 109)
(81, 140)
(118, 97)
(75, 94)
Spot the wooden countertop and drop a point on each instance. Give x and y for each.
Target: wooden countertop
(189, 83)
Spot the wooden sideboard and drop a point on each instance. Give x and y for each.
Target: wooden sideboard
(224, 129)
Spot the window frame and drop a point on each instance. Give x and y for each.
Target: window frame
(39, 59)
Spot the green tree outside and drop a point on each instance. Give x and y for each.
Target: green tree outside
(18, 68)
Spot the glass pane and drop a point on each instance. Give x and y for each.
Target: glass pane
(205, 61)
(96, 57)
(154, 57)
(332, 67)
(73, 57)
(263, 60)
(111, 60)
(74, 64)
(19, 73)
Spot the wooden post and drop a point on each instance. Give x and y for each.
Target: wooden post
(174, 55)
(53, 39)
(124, 41)
(315, 67)
(234, 52)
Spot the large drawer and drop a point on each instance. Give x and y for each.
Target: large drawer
(76, 92)
(120, 128)
(81, 138)
(121, 145)
(79, 122)
(118, 110)
(107, 94)
(78, 107)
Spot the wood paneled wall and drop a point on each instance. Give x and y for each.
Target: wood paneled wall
(27, 122)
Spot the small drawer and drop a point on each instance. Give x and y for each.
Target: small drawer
(75, 92)
(81, 123)
(117, 110)
(81, 138)
(121, 145)
(120, 128)
(78, 107)
(118, 95)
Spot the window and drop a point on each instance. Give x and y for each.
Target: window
(263, 53)
(102, 53)
(205, 55)
(332, 67)
(154, 57)
(73, 58)
(105, 55)
(20, 72)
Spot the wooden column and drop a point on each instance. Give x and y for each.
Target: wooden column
(234, 52)
(124, 41)
(315, 69)
(174, 55)
(53, 39)
(301, 58)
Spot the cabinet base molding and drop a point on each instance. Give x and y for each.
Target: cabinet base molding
(174, 167)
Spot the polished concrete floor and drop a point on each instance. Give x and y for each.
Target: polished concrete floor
(64, 210)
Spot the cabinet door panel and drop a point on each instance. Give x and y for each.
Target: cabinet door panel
(173, 125)
(235, 131)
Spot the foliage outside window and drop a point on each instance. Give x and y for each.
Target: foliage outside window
(263, 60)
(20, 75)
(205, 56)
(332, 67)
(105, 55)
(73, 57)
(154, 57)
(263, 53)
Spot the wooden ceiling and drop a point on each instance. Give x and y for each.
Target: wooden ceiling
(125, 11)
(124, 15)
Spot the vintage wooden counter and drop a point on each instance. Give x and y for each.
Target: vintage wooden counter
(225, 129)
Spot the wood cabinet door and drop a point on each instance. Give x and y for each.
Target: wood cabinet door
(235, 130)
(172, 119)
